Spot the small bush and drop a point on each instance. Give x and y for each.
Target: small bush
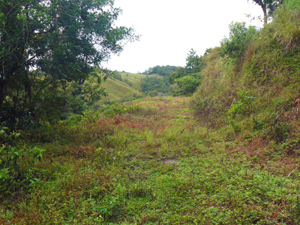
(244, 106)
(239, 39)
(16, 165)
(112, 110)
(135, 109)
(188, 84)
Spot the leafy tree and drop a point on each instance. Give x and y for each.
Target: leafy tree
(62, 40)
(188, 84)
(268, 7)
(180, 72)
(239, 37)
(192, 62)
(188, 78)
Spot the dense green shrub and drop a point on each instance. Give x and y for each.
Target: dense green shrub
(187, 85)
(16, 164)
(188, 78)
(239, 38)
(112, 110)
(51, 103)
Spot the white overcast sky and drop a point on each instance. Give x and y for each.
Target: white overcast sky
(170, 28)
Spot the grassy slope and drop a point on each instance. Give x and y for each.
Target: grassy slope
(155, 165)
(136, 79)
(257, 99)
(120, 90)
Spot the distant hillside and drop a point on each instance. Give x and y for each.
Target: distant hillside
(125, 86)
(136, 80)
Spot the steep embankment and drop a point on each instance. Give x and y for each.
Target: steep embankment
(256, 96)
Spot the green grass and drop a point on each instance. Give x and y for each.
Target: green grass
(129, 88)
(153, 165)
(258, 93)
(232, 158)
(118, 91)
(136, 79)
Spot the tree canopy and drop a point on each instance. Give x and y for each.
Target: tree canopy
(64, 40)
(188, 78)
(161, 70)
(268, 7)
(239, 37)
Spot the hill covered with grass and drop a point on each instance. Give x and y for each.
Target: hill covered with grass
(124, 86)
(250, 85)
(118, 91)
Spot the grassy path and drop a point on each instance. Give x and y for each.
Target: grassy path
(155, 165)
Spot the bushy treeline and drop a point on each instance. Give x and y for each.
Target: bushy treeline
(152, 86)
(251, 82)
(188, 78)
(48, 102)
(177, 80)
(161, 70)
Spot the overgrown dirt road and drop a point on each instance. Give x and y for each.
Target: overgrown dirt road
(178, 172)
(155, 165)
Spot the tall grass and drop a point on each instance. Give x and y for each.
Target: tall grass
(268, 72)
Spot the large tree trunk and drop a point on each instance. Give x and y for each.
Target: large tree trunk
(263, 5)
(264, 8)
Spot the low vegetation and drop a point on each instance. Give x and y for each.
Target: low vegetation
(146, 162)
(122, 86)
(229, 154)
(118, 91)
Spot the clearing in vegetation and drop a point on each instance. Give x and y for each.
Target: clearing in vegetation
(151, 163)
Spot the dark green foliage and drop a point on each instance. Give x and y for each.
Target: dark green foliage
(244, 106)
(188, 84)
(16, 164)
(157, 164)
(45, 45)
(49, 103)
(157, 84)
(188, 78)
(239, 38)
(193, 62)
(113, 109)
(161, 70)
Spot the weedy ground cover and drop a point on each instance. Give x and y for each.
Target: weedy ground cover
(153, 164)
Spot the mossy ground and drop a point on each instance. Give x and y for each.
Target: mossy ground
(156, 165)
